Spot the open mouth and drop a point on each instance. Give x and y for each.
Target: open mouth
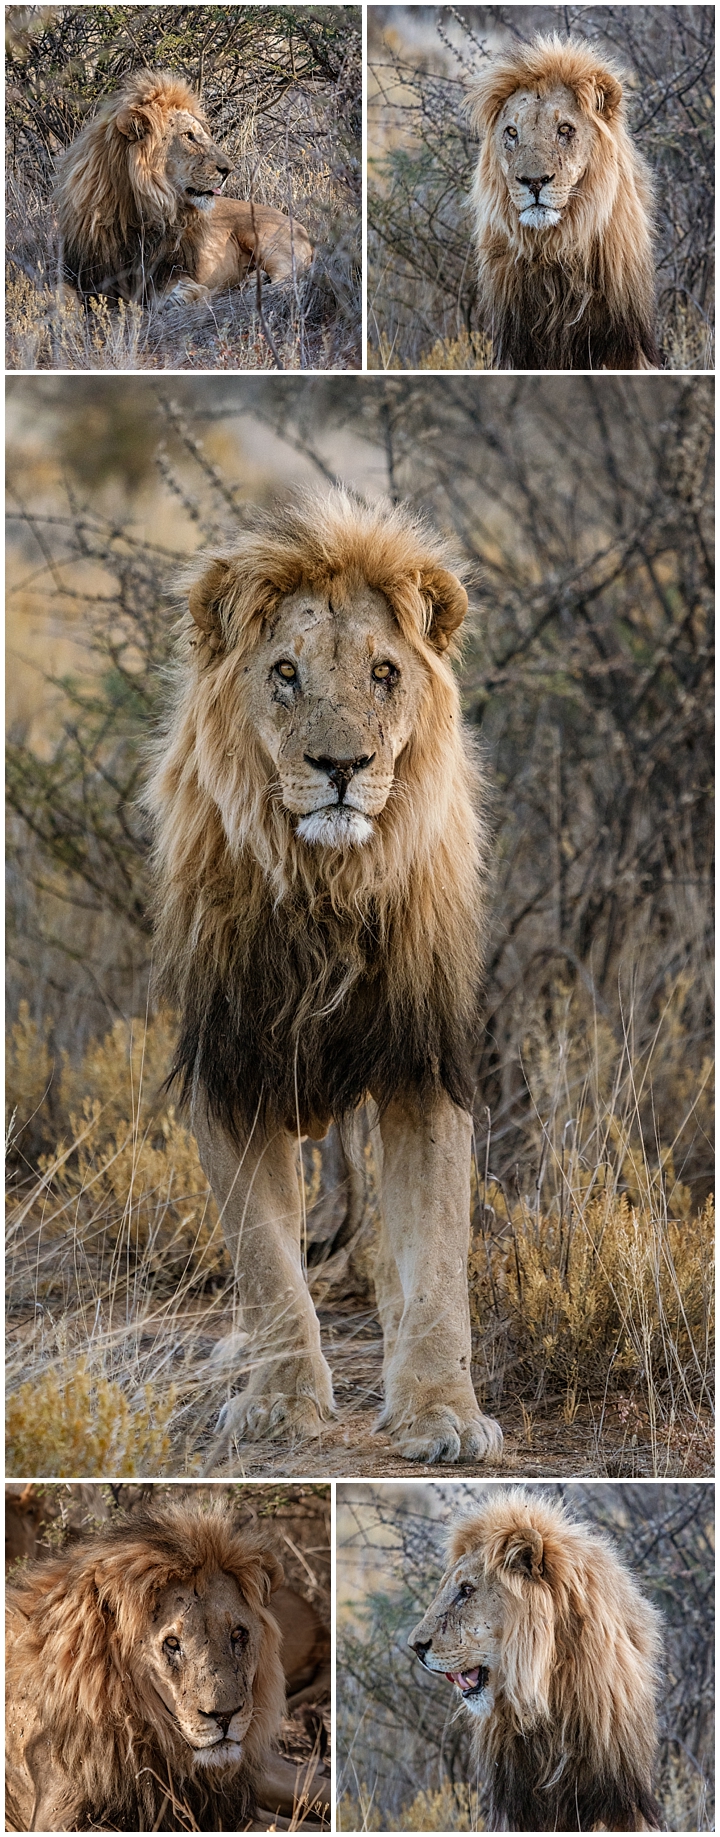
(214, 192)
(471, 1683)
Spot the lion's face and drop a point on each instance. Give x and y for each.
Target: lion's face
(544, 145)
(335, 691)
(200, 1654)
(462, 1632)
(194, 166)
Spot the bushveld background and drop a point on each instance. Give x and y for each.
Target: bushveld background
(422, 292)
(41, 1520)
(403, 1748)
(281, 86)
(583, 508)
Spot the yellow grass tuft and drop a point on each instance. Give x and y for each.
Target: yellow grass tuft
(72, 1421)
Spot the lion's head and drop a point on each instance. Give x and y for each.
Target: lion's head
(155, 1640)
(550, 114)
(551, 1646)
(159, 131)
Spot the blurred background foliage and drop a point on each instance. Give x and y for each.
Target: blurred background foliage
(422, 290)
(403, 1748)
(281, 86)
(583, 509)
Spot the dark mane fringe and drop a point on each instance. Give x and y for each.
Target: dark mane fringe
(307, 1015)
(553, 318)
(517, 1762)
(141, 265)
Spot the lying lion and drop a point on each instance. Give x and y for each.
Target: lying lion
(140, 205)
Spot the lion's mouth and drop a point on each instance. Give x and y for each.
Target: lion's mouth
(471, 1683)
(539, 216)
(222, 1753)
(335, 826)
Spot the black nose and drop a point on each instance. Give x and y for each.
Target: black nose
(340, 771)
(536, 185)
(223, 1716)
(420, 1647)
(223, 166)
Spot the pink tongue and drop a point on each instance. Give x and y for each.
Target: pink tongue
(465, 1680)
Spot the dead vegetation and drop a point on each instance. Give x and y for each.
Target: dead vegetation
(282, 91)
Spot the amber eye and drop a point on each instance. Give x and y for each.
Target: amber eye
(511, 133)
(287, 670)
(385, 672)
(171, 1645)
(566, 129)
(239, 1636)
(465, 1591)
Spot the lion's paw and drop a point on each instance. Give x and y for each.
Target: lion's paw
(262, 1418)
(441, 1435)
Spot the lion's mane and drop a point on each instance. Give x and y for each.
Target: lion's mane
(583, 296)
(570, 1742)
(126, 230)
(83, 1613)
(306, 978)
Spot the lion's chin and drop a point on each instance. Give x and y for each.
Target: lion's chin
(539, 217)
(224, 1754)
(335, 827)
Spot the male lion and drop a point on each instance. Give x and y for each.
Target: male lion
(319, 861)
(144, 1677)
(554, 1651)
(140, 208)
(562, 202)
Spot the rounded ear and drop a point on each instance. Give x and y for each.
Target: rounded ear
(608, 93)
(448, 604)
(274, 1573)
(524, 1554)
(133, 121)
(207, 601)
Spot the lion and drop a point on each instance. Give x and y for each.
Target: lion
(554, 1653)
(563, 214)
(144, 1677)
(319, 859)
(140, 206)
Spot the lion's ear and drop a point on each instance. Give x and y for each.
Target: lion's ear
(448, 604)
(274, 1574)
(133, 121)
(524, 1554)
(608, 93)
(207, 601)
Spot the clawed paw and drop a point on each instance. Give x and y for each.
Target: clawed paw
(255, 1419)
(442, 1435)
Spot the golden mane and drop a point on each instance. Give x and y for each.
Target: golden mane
(578, 1672)
(81, 1617)
(584, 296)
(259, 921)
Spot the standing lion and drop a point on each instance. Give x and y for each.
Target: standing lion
(554, 1653)
(563, 214)
(319, 860)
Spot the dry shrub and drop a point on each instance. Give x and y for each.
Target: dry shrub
(72, 1420)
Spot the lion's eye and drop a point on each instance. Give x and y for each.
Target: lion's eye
(189, 135)
(287, 670)
(239, 1636)
(385, 672)
(511, 133)
(171, 1645)
(566, 129)
(465, 1591)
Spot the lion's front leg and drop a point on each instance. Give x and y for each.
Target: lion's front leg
(430, 1404)
(258, 1197)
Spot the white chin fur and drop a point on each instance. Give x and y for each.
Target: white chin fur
(481, 1704)
(335, 827)
(223, 1754)
(539, 217)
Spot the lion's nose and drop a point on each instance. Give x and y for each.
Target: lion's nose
(536, 185)
(420, 1647)
(340, 771)
(223, 164)
(223, 1716)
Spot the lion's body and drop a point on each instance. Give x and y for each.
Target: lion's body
(554, 1651)
(143, 1664)
(563, 207)
(139, 209)
(320, 898)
